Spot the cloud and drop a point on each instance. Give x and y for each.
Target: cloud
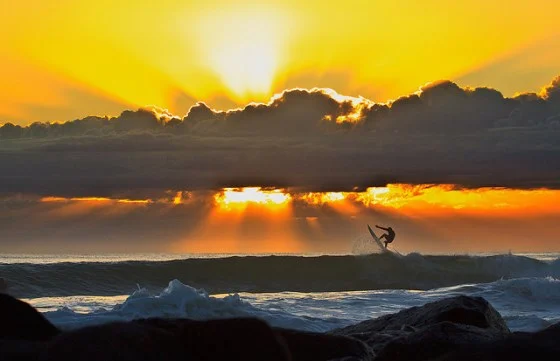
(310, 139)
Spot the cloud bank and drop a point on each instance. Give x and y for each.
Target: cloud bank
(307, 139)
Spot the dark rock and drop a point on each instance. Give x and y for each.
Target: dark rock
(461, 310)
(19, 350)
(435, 340)
(302, 346)
(160, 339)
(309, 346)
(115, 341)
(541, 346)
(3, 285)
(432, 330)
(20, 321)
(474, 311)
(459, 328)
(26, 334)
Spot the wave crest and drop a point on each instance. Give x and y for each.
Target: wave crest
(272, 274)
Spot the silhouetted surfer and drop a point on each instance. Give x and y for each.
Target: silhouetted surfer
(389, 236)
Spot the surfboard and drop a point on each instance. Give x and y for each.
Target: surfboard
(377, 240)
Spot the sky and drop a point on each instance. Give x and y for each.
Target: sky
(257, 127)
(70, 59)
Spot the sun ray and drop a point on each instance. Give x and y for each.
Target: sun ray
(244, 48)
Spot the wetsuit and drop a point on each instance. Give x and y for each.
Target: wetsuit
(389, 236)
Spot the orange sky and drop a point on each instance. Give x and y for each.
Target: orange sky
(69, 59)
(252, 220)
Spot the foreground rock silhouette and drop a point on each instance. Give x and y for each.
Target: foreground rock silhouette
(444, 325)
(457, 328)
(3, 285)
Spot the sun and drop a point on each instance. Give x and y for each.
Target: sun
(240, 198)
(243, 48)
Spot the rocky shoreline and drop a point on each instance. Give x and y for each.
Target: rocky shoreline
(456, 328)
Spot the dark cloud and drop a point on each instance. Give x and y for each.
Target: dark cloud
(311, 139)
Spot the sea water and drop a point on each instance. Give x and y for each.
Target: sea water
(306, 292)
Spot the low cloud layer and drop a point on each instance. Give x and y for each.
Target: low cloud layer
(308, 139)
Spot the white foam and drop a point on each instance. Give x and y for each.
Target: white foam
(527, 304)
(179, 300)
(538, 290)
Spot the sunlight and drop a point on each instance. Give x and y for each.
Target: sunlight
(245, 220)
(243, 48)
(96, 200)
(318, 198)
(240, 198)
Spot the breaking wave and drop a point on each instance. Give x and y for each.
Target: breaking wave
(273, 274)
(527, 304)
(178, 300)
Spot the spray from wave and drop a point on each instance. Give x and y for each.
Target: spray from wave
(177, 301)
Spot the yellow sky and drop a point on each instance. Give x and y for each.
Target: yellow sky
(67, 59)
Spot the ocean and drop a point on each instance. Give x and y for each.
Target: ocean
(306, 292)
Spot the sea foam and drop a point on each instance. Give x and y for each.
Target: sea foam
(182, 301)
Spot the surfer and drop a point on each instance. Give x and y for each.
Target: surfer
(389, 236)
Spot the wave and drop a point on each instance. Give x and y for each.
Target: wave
(178, 300)
(527, 304)
(271, 274)
(540, 290)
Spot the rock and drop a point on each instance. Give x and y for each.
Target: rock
(26, 335)
(542, 346)
(20, 350)
(434, 341)
(432, 330)
(474, 311)
(310, 346)
(459, 328)
(462, 310)
(20, 321)
(183, 339)
(160, 339)
(301, 345)
(114, 341)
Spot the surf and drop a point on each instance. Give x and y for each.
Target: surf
(272, 273)
(528, 304)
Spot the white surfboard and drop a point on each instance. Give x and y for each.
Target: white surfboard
(377, 240)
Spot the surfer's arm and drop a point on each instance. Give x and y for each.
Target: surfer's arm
(383, 228)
